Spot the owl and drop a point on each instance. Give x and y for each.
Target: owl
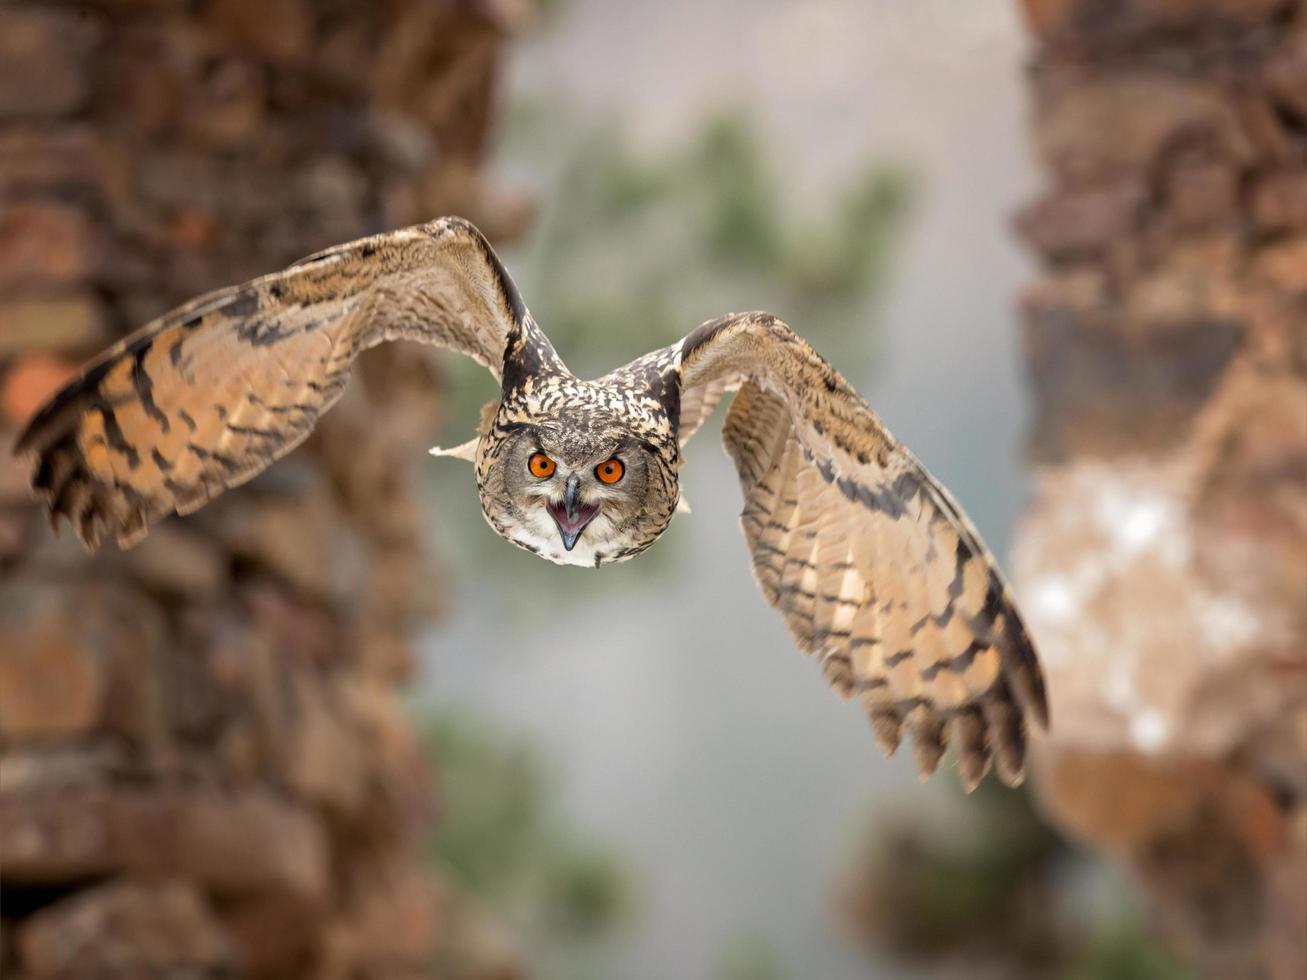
(871, 563)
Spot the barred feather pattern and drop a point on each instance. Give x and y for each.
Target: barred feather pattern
(208, 395)
(872, 565)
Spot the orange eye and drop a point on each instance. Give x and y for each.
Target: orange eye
(541, 466)
(610, 471)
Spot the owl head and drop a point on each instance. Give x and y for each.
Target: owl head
(580, 473)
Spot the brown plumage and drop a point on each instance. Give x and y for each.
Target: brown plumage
(872, 564)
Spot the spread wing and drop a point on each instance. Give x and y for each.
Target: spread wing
(211, 393)
(871, 562)
(699, 402)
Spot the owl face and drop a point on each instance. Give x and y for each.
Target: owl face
(575, 492)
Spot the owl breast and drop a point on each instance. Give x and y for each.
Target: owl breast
(601, 544)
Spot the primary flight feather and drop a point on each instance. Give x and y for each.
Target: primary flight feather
(873, 565)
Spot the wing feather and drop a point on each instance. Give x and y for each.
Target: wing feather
(872, 564)
(209, 394)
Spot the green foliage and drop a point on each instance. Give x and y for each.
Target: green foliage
(588, 891)
(491, 794)
(633, 248)
(1125, 952)
(749, 957)
(501, 837)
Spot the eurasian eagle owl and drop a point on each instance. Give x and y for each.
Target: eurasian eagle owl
(872, 564)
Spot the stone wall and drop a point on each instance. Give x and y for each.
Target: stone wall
(1164, 560)
(206, 770)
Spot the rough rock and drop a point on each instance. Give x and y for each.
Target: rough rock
(76, 661)
(43, 61)
(1163, 562)
(1120, 124)
(205, 766)
(230, 843)
(32, 380)
(126, 928)
(60, 323)
(45, 243)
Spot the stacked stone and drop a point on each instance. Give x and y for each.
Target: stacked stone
(1164, 561)
(206, 769)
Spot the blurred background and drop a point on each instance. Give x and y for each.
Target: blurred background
(330, 726)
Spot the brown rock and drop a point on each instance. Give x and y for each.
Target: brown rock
(31, 382)
(76, 659)
(272, 938)
(45, 243)
(398, 578)
(1202, 195)
(1121, 124)
(293, 536)
(44, 61)
(1091, 21)
(1190, 283)
(1107, 389)
(233, 843)
(1164, 563)
(1195, 832)
(230, 106)
(1048, 18)
(15, 472)
(41, 159)
(383, 654)
(146, 76)
(233, 733)
(73, 322)
(475, 944)
(15, 528)
(125, 928)
(1284, 264)
(231, 687)
(1279, 201)
(1286, 941)
(324, 758)
(51, 673)
(1110, 542)
(1070, 224)
(26, 770)
(279, 30)
(1286, 75)
(174, 560)
(1116, 800)
(401, 798)
(395, 914)
(1252, 443)
(301, 634)
(1269, 133)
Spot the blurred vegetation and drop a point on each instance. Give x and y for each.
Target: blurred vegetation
(502, 837)
(501, 834)
(998, 893)
(749, 957)
(634, 246)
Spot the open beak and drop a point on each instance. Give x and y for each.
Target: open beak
(570, 515)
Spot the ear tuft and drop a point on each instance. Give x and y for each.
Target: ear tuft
(467, 451)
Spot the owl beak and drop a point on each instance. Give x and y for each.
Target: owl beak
(569, 497)
(571, 515)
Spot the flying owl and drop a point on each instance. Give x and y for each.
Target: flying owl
(872, 564)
